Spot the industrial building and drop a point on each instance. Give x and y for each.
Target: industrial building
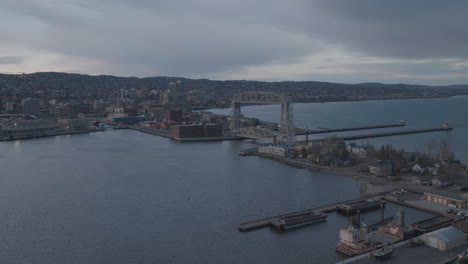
(196, 131)
(444, 239)
(75, 124)
(23, 128)
(445, 198)
(174, 116)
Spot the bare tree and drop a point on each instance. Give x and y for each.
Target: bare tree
(444, 149)
(431, 147)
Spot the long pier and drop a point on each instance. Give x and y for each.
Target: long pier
(302, 131)
(396, 133)
(385, 134)
(266, 222)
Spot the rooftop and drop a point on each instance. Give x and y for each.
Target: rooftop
(448, 234)
(447, 195)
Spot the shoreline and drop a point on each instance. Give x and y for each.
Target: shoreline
(368, 184)
(342, 101)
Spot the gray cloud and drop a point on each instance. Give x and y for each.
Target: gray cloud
(399, 28)
(11, 59)
(206, 37)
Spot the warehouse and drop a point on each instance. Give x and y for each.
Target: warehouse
(445, 198)
(444, 239)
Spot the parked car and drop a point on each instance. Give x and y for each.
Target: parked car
(461, 213)
(449, 211)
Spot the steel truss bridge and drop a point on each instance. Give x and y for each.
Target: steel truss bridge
(286, 132)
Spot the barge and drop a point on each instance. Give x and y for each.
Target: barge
(352, 208)
(298, 220)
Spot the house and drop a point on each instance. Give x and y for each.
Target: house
(354, 149)
(434, 171)
(410, 156)
(418, 169)
(381, 168)
(446, 198)
(442, 182)
(444, 239)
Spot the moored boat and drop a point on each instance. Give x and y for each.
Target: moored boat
(383, 252)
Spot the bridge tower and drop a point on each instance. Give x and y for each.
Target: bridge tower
(287, 128)
(235, 116)
(286, 131)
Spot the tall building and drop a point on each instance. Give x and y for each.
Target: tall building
(174, 116)
(175, 95)
(30, 106)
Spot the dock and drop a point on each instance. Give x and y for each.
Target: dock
(271, 221)
(302, 131)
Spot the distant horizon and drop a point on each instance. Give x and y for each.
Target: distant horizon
(223, 80)
(420, 42)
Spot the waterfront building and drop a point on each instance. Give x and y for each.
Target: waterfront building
(444, 239)
(274, 149)
(22, 128)
(446, 198)
(75, 124)
(196, 131)
(174, 116)
(30, 106)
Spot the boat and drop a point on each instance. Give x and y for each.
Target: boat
(383, 252)
(353, 238)
(298, 220)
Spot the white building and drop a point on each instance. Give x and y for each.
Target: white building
(274, 149)
(354, 149)
(444, 239)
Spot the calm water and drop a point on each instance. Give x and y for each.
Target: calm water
(127, 197)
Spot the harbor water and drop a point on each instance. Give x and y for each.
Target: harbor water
(128, 197)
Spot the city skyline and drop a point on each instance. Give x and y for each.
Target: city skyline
(421, 42)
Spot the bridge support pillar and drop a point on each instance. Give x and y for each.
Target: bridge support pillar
(287, 128)
(235, 116)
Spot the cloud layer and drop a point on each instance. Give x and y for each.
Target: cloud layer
(362, 40)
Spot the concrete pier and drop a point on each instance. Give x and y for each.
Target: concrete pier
(302, 131)
(386, 134)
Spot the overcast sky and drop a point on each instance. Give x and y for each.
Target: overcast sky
(417, 41)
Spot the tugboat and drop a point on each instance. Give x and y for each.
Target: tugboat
(383, 252)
